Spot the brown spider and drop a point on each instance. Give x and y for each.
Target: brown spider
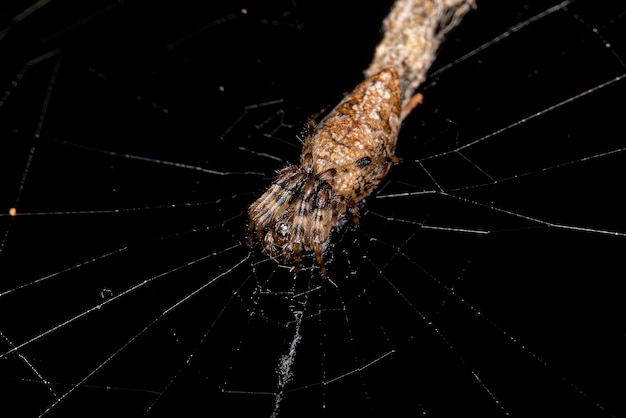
(343, 160)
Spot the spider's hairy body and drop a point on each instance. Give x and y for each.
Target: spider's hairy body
(343, 160)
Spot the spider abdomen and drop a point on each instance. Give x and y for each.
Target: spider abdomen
(363, 127)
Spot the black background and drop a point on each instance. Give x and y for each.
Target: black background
(430, 322)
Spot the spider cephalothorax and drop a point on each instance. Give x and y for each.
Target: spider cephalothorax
(343, 160)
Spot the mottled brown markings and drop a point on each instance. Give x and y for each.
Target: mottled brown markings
(344, 158)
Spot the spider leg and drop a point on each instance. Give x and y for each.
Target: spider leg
(296, 240)
(273, 197)
(297, 250)
(354, 211)
(271, 204)
(317, 247)
(317, 240)
(258, 212)
(285, 183)
(321, 231)
(295, 247)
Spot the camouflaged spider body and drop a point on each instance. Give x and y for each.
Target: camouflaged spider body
(343, 160)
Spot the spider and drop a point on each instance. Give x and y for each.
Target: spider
(343, 160)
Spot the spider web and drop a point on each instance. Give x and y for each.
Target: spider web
(484, 276)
